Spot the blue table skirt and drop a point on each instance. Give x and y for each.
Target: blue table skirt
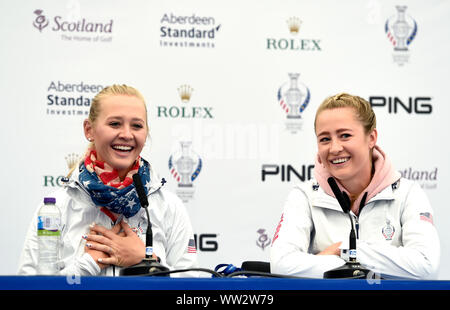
(252, 283)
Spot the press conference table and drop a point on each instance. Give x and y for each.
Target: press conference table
(251, 283)
(217, 292)
(192, 284)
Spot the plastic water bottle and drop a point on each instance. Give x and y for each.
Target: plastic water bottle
(48, 233)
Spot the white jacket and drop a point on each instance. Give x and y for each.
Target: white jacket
(396, 236)
(171, 228)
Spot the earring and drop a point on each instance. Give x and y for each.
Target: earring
(90, 139)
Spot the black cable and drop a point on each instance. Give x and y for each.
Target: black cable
(158, 273)
(273, 275)
(262, 274)
(237, 273)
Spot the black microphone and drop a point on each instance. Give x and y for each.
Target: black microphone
(144, 203)
(149, 264)
(352, 268)
(344, 201)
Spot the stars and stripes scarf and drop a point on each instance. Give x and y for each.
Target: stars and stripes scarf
(105, 188)
(106, 173)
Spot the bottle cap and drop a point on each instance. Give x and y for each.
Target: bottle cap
(49, 200)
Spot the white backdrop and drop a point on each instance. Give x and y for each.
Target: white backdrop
(231, 61)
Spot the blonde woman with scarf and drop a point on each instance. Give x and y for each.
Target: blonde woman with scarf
(396, 236)
(103, 224)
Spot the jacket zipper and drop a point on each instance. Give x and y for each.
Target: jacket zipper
(357, 226)
(356, 217)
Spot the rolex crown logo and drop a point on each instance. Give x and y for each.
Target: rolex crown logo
(72, 160)
(294, 24)
(185, 92)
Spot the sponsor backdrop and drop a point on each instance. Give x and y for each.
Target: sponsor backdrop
(231, 88)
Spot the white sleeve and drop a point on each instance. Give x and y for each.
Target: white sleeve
(419, 256)
(80, 266)
(181, 250)
(29, 256)
(289, 252)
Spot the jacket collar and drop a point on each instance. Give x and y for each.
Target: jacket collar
(321, 199)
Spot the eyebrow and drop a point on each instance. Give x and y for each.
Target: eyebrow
(120, 117)
(338, 131)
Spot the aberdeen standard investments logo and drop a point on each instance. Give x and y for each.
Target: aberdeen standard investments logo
(401, 30)
(181, 31)
(293, 97)
(74, 27)
(70, 99)
(295, 42)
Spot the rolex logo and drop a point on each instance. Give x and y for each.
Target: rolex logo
(294, 24)
(294, 43)
(185, 92)
(72, 160)
(185, 110)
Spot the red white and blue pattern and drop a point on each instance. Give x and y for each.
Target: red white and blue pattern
(427, 217)
(191, 246)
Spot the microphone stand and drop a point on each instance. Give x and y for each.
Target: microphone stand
(352, 268)
(149, 264)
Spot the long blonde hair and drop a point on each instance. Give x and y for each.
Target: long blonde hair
(94, 111)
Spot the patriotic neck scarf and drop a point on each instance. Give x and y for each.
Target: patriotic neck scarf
(105, 188)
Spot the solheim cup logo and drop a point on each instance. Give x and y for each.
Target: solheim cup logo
(293, 97)
(401, 30)
(185, 166)
(41, 21)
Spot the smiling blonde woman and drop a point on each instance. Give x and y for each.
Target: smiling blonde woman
(395, 233)
(103, 223)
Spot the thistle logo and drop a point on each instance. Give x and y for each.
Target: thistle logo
(263, 240)
(401, 30)
(185, 166)
(41, 21)
(293, 98)
(293, 44)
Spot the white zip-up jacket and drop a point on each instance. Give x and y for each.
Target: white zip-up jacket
(172, 231)
(395, 230)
